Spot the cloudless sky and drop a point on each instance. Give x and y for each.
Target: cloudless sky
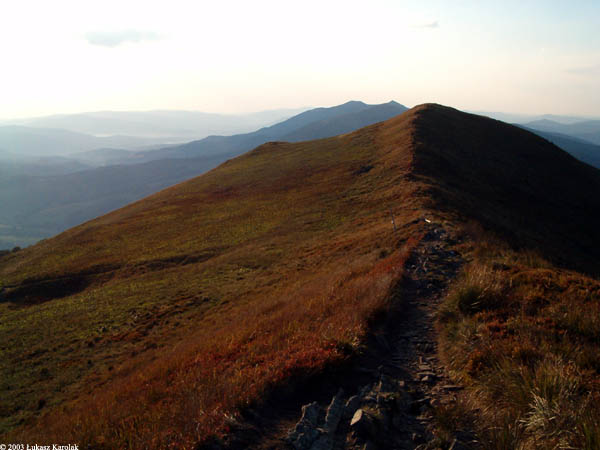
(65, 56)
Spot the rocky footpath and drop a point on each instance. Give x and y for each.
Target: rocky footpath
(387, 396)
(394, 409)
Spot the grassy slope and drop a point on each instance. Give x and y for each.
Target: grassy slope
(195, 300)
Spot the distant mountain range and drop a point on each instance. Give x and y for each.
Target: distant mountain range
(185, 125)
(577, 135)
(527, 118)
(37, 206)
(588, 130)
(581, 149)
(40, 166)
(17, 141)
(313, 124)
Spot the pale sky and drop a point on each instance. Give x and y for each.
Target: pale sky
(64, 56)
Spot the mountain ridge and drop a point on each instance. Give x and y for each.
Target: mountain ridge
(206, 295)
(581, 149)
(588, 130)
(436, 162)
(160, 124)
(22, 141)
(277, 132)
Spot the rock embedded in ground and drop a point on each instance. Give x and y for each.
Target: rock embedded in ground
(304, 440)
(305, 433)
(335, 411)
(323, 442)
(451, 387)
(351, 406)
(364, 424)
(425, 373)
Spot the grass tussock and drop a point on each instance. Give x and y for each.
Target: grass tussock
(524, 336)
